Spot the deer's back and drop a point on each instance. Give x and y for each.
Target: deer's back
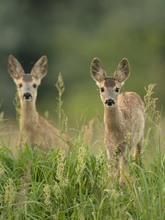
(130, 101)
(132, 108)
(40, 133)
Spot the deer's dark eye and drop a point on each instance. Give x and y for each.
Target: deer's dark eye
(102, 89)
(117, 89)
(19, 85)
(34, 85)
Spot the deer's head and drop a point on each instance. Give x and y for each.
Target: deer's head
(28, 83)
(109, 86)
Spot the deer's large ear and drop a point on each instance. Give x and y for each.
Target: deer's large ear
(97, 71)
(40, 68)
(14, 67)
(122, 71)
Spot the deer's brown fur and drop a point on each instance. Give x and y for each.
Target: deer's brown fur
(34, 129)
(123, 114)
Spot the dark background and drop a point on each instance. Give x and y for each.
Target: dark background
(71, 33)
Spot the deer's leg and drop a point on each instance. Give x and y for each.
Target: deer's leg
(123, 169)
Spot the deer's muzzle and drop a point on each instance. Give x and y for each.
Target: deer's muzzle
(109, 102)
(27, 96)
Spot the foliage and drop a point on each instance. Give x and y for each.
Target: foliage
(77, 184)
(153, 120)
(62, 118)
(152, 114)
(62, 187)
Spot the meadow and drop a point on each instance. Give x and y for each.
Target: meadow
(36, 185)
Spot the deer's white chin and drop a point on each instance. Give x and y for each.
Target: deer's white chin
(28, 100)
(109, 106)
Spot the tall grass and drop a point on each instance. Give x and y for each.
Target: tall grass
(77, 186)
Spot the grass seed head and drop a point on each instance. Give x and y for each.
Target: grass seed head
(47, 194)
(9, 193)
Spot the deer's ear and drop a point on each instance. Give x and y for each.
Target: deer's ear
(40, 68)
(14, 67)
(97, 71)
(122, 71)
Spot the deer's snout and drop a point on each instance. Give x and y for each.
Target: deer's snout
(27, 96)
(110, 102)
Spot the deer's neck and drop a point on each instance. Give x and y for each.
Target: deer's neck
(113, 122)
(28, 115)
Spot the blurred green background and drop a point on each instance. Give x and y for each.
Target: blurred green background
(71, 33)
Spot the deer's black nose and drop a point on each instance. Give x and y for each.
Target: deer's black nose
(27, 96)
(110, 102)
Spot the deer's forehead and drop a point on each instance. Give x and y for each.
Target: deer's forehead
(110, 82)
(27, 78)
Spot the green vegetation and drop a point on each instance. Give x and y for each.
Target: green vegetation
(78, 187)
(38, 185)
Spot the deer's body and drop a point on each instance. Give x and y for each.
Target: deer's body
(34, 129)
(123, 114)
(122, 122)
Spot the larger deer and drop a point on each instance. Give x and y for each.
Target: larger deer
(123, 114)
(34, 129)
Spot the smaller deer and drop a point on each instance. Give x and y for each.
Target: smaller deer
(124, 118)
(34, 129)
